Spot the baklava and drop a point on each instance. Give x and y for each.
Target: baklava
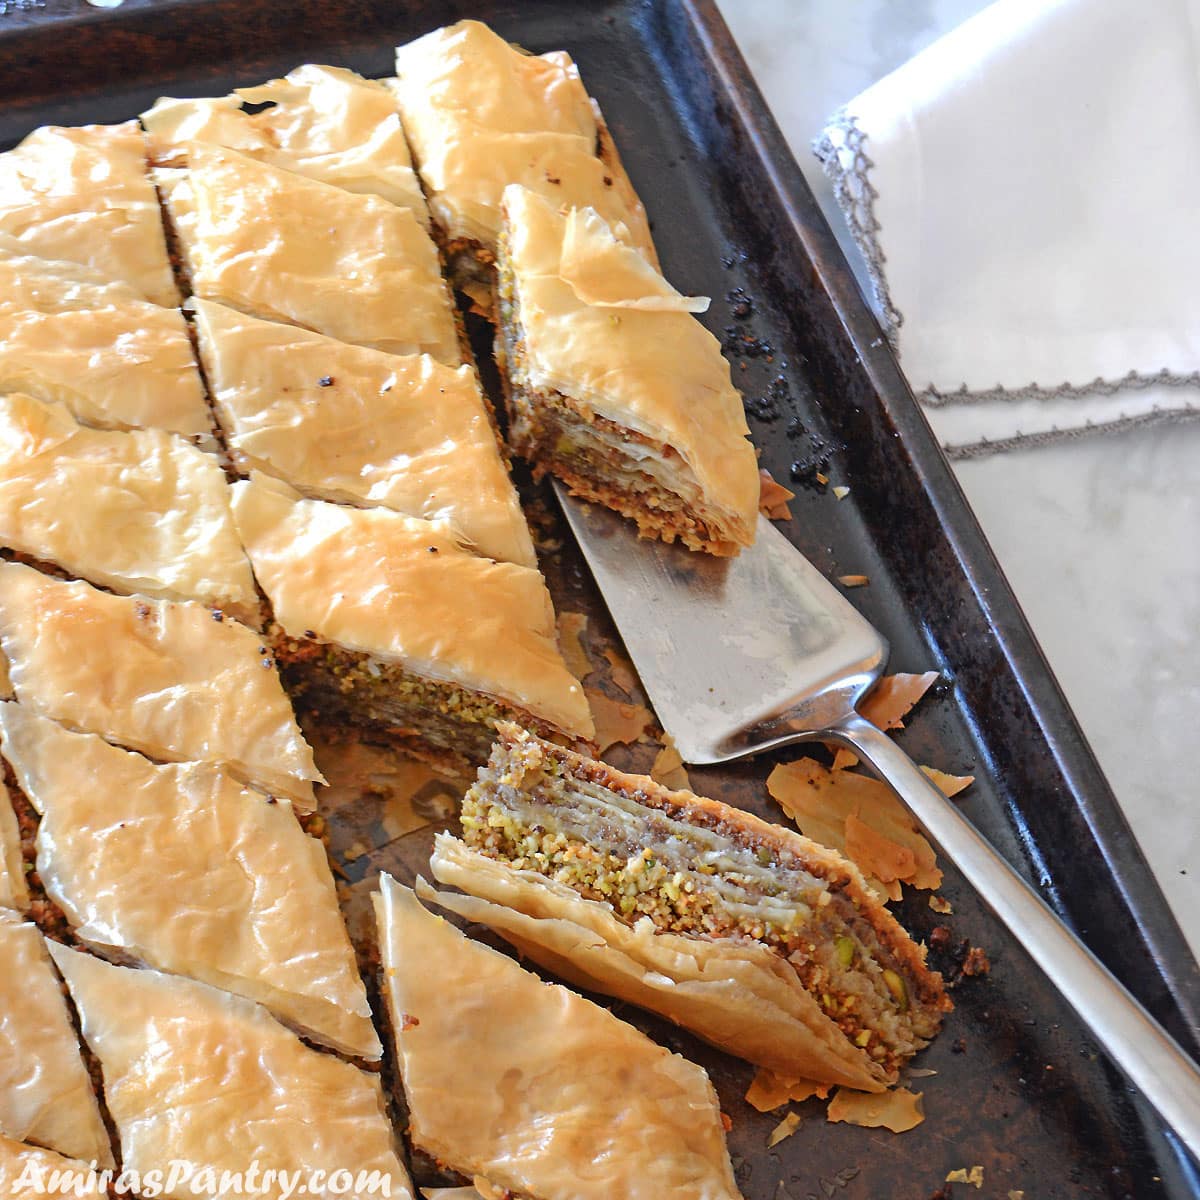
(198, 1076)
(355, 425)
(14, 888)
(46, 1094)
(84, 194)
(614, 387)
(387, 622)
(177, 681)
(138, 511)
(759, 940)
(288, 248)
(324, 122)
(28, 1171)
(531, 1087)
(481, 113)
(118, 854)
(114, 359)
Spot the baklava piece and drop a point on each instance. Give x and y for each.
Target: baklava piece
(324, 122)
(612, 385)
(532, 1087)
(84, 194)
(46, 1095)
(481, 113)
(350, 424)
(195, 1075)
(14, 889)
(388, 622)
(119, 853)
(115, 360)
(137, 511)
(177, 681)
(28, 1171)
(757, 939)
(284, 247)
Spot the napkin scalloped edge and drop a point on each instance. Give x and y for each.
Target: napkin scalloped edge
(856, 195)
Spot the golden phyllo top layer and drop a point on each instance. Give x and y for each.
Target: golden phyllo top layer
(288, 248)
(139, 511)
(405, 590)
(355, 425)
(481, 114)
(199, 1075)
(83, 194)
(115, 360)
(601, 326)
(324, 122)
(176, 681)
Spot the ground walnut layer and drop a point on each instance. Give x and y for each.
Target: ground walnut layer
(595, 457)
(699, 868)
(452, 728)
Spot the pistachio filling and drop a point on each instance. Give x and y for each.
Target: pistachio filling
(607, 845)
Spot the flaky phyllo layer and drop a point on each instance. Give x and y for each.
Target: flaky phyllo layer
(697, 869)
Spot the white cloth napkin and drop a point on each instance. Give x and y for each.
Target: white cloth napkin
(1026, 194)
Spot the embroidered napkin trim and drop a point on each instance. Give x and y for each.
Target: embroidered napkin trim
(856, 196)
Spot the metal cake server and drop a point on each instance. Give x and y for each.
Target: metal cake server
(747, 654)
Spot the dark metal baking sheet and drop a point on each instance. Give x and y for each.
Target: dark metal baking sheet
(1020, 1089)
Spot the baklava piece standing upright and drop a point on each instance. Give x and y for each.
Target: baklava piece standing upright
(613, 386)
(481, 113)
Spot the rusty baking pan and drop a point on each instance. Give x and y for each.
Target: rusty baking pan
(1020, 1089)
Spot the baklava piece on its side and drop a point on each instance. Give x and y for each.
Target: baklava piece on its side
(386, 621)
(613, 386)
(755, 938)
(481, 113)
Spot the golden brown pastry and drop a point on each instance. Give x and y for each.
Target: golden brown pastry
(46, 1096)
(83, 194)
(614, 387)
(28, 1171)
(481, 114)
(283, 247)
(196, 1075)
(533, 1087)
(173, 680)
(14, 890)
(113, 358)
(139, 511)
(388, 621)
(250, 895)
(355, 425)
(324, 122)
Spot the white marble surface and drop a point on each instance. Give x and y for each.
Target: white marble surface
(1100, 538)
